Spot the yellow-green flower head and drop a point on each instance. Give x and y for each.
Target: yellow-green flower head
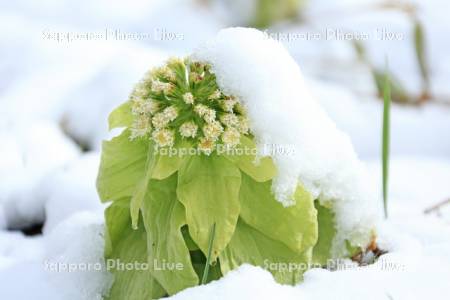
(159, 86)
(243, 125)
(169, 74)
(214, 96)
(231, 137)
(160, 120)
(228, 104)
(195, 77)
(206, 146)
(141, 126)
(188, 129)
(171, 113)
(163, 137)
(188, 98)
(201, 109)
(165, 72)
(230, 120)
(141, 106)
(210, 115)
(140, 91)
(182, 101)
(213, 130)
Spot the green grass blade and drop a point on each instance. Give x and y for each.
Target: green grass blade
(419, 45)
(208, 258)
(386, 139)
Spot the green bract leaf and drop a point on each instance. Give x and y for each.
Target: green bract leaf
(243, 156)
(249, 245)
(208, 256)
(168, 254)
(142, 186)
(169, 160)
(165, 166)
(327, 232)
(192, 246)
(352, 249)
(208, 187)
(295, 226)
(122, 166)
(121, 116)
(158, 166)
(125, 245)
(117, 219)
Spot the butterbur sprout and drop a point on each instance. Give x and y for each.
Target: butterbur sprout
(177, 197)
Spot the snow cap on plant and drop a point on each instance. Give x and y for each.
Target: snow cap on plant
(277, 102)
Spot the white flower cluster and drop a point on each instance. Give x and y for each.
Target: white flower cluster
(165, 111)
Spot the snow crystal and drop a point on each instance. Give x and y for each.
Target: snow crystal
(282, 112)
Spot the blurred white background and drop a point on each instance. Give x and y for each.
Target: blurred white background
(64, 65)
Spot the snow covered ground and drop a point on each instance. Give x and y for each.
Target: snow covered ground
(416, 267)
(55, 96)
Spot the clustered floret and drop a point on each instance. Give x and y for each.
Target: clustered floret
(181, 101)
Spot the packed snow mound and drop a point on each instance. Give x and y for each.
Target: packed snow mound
(29, 152)
(73, 258)
(246, 282)
(285, 117)
(70, 190)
